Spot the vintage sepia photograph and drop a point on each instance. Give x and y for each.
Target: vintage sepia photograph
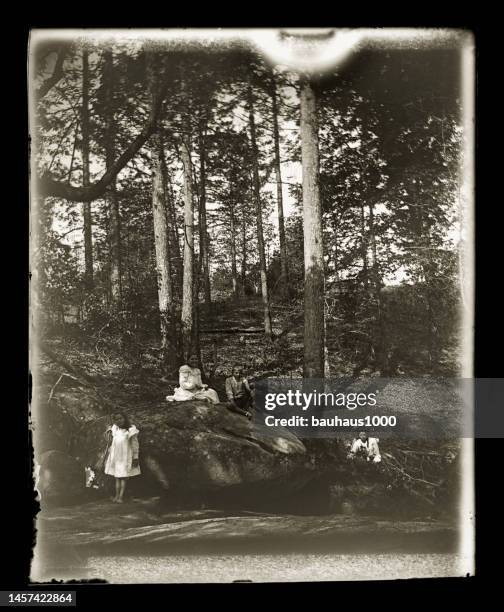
(228, 229)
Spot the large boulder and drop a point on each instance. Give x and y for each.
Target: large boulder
(202, 448)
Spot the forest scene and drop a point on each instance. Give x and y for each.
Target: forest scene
(200, 203)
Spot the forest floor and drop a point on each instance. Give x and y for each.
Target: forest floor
(246, 345)
(231, 333)
(145, 521)
(129, 369)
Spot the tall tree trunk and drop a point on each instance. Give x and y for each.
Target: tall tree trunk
(428, 273)
(174, 239)
(44, 225)
(284, 266)
(364, 248)
(203, 233)
(243, 272)
(106, 267)
(187, 316)
(234, 271)
(336, 257)
(86, 209)
(163, 264)
(372, 236)
(195, 337)
(259, 220)
(169, 345)
(314, 336)
(381, 348)
(111, 193)
(424, 241)
(42, 218)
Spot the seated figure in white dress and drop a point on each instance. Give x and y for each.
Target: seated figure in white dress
(184, 391)
(191, 386)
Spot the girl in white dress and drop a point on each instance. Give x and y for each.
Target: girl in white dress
(191, 386)
(122, 459)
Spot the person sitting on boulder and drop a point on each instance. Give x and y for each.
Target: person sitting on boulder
(191, 386)
(122, 459)
(365, 448)
(184, 391)
(238, 392)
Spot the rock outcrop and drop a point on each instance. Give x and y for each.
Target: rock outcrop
(59, 477)
(196, 447)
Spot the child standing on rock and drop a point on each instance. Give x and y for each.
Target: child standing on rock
(122, 460)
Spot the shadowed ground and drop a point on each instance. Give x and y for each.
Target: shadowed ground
(144, 525)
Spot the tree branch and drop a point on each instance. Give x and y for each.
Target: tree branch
(50, 187)
(57, 74)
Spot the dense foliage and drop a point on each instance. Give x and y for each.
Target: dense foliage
(390, 141)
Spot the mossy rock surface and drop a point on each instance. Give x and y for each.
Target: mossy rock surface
(197, 446)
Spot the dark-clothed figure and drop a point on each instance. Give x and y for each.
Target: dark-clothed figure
(238, 392)
(365, 447)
